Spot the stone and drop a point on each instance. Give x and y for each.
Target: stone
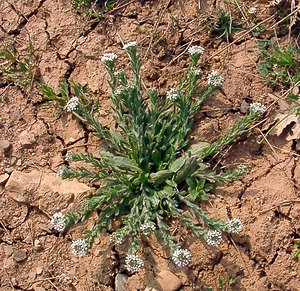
(3, 178)
(120, 282)
(150, 289)
(8, 250)
(9, 170)
(38, 189)
(26, 138)
(19, 256)
(39, 270)
(5, 146)
(168, 281)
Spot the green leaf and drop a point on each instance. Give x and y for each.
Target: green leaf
(177, 165)
(196, 148)
(221, 282)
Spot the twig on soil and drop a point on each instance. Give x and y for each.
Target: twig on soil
(283, 19)
(79, 145)
(54, 286)
(9, 280)
(283, 203)
(234, 244)
(277, 159)
(156, 26)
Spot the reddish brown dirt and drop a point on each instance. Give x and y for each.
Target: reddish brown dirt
(69, 46)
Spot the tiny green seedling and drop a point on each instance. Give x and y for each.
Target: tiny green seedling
(277, 65)
(223, 286)
(93, 8)
(223, 25)
(17, 70)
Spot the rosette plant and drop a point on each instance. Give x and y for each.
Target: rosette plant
(149, 174)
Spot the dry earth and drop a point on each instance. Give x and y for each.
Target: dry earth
(33, 256)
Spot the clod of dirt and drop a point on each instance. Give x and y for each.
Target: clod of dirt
(26, 138)
(3, 178)
(9, 170)
(19, 256)
(120, 282)
(41, 189)
(5, 146)
(106, 271)
(8, 250)
(168, 281)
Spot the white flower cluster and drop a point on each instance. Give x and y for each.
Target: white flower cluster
(129, 44)
(257, 108)
(133, 263)
(172, 94)
(197, 72)
(72, 104)
(109, 57)
(215, 79)
(116, 238)
(234, 225)
(60, 170)
(147, 228)
(213, 237)
(195, 50)
(59, 221)
(241, 169)
(181, 257)
(79, 247)
(69, 156)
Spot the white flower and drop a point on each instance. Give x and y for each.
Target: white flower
(129, 44)
(72, 104)
(181, 257)
(133, 263)
(213, 237)
(197, 72)
(196, 49)
(215, 79)
(69, 156)
(147, 228)
(61, 170)
(241, 169)
(172, 94)
(59, 221)
(79, 247)
(116, 238)
(109, 57)
(234, 225)
(258, 108)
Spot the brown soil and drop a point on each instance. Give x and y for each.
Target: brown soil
(69, 46)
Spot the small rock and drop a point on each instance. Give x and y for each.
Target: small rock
(39, 289)
(19, 162)
(150, 289)
(39, 270)
(244, 107)
(26, 139)
(19, 256)
(13, 161)
(168, 281)
(120, 282)
(9, 170)
(5, 146)
(3, 178)
(8, 250)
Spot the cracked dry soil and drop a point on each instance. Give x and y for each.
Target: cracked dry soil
(33, 256)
